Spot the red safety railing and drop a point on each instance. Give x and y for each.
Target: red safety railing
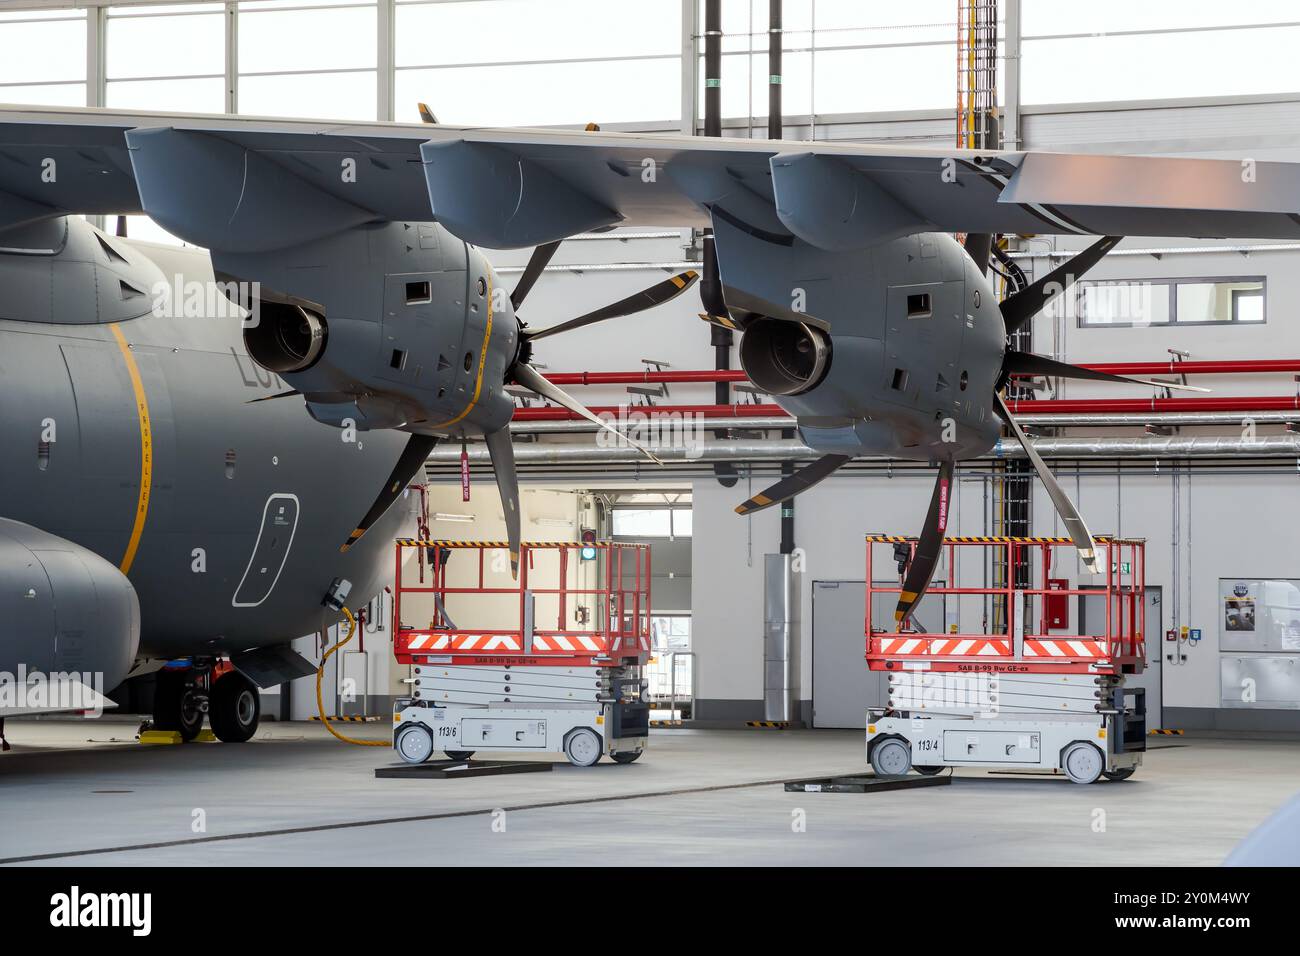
(541, 618)
(1025, 643)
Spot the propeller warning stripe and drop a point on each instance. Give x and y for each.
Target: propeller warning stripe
(929, 546)
(411, 460)
(791, 485)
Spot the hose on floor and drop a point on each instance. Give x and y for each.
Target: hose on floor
(320, 702)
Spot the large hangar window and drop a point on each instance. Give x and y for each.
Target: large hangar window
(1134, 303)
(28, 74)
(314, 59)
(168, 57)
(481, 62)
(1155, 49)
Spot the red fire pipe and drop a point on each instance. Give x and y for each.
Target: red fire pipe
(645, 377)
(1246, 404)
(1228, 367)
(553, 414)
(1258, 403)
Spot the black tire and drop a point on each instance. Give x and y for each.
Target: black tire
(235, 708)
(458, 754)
(627, 756)
(177, 705)
(1121, 774)
(927, 771)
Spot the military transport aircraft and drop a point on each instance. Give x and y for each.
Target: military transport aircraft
(858, 311)
(153, 503)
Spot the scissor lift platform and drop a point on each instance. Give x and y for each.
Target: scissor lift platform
(1029, 697)
(507, 683)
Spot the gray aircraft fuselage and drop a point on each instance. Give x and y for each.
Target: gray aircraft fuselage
(235, 539)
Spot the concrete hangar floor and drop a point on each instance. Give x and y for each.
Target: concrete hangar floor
(85, 794)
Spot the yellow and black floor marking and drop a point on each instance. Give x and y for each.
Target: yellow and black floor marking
(350, 720)
(1161, 730)
(666, 723)
(774, 724)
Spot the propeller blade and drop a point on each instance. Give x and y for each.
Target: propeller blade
(1020, 307)
(411, 461)
(120, 231)
(267, 398)
(426, 115)
(928, 547)
(502, 452)
(531, 379)
(791, 485)
(979, 246)
(1074, 522)
(657, 294)
(1027, 363)
(537, 262)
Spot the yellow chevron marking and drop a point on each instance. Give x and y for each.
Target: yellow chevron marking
(146, 451)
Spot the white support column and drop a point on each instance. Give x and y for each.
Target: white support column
(96, 78)
(96, 81)
(1011, 96)
(232, 57)
(690, 67)
(385, 62)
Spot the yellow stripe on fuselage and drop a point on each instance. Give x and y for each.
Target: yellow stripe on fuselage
(146, 451)
(482, 361)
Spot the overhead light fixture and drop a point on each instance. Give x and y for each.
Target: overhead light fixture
(441, 516)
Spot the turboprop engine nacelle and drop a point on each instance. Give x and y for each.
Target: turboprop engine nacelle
(66, 610)
(783, 357)
(391, 325)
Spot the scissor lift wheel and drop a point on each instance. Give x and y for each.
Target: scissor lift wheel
(583, 747)
(891, 758)
(1083, 762)
(414, 743)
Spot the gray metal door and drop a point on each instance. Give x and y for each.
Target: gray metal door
(842, 686)
(1092, 621)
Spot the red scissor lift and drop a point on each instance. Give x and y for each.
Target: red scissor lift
(619, 608)
(550, 661)
(1027, 691)
(1121, 649)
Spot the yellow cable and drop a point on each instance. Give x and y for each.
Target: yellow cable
(320, 703)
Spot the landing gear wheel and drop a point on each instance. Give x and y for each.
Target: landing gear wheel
(1123, 773)
(927, 771)
(627, 756)
(891, 758)
(458, 754)
(414, 743)
(1083, 762)
(235, 708)
(177, 705)
(582, 747)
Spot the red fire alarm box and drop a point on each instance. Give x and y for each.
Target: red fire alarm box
(1057, 606)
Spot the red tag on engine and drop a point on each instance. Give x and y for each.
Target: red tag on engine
(464, 474)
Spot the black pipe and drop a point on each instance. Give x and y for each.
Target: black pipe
(776, 130)
(713, 68)
(711, 282)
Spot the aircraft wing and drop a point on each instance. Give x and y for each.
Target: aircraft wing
(251, 184)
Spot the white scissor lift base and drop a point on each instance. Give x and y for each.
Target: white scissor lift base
(581, 712)
(1061, 724)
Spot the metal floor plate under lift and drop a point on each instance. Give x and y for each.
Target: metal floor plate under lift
(863, 783)
(456, 769)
